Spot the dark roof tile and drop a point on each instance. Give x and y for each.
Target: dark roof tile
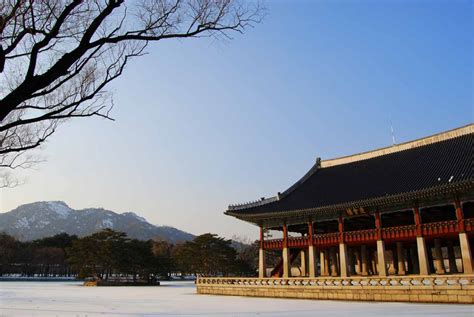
(428, 166)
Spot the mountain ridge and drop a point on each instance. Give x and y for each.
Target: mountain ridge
(46, 218)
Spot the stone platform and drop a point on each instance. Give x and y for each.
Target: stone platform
(428, 289)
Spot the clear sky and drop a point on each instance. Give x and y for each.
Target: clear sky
(202, 124)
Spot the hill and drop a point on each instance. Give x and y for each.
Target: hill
(47, 218)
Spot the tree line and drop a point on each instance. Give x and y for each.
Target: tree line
(110, 254)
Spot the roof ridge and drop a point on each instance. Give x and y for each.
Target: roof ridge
(263, 201)
(438, 137)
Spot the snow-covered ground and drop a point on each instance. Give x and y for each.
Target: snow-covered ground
(180, 299)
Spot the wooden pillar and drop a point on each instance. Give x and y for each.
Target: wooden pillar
(401, 270)
(378, 226)
(333, 261)
(303, 262)
(408, 257)
(391, 258)
(382, 264)
(467, 262)
(429, 249)
(466, 254)
(364, 264)
(374, 261)
(453, 268)
(381, 257)
(311, 255)
(459, 215)
(358, 261)
(261, 256)
(351, 261)
(438, 260)
(324, 263)
(286, 255)
(343, 260)
(421, 245)
(311, 261)
(422, 256)
(415, 266)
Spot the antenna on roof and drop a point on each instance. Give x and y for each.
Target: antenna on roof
(391, 130)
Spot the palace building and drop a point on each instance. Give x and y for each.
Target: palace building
(402, 211)
(383, 212)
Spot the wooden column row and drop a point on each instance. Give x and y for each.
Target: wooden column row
(345, 267)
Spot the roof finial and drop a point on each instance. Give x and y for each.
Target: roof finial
(318, 162)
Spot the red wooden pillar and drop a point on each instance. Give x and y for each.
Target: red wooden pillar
(378, 225)
(262, 268)
(416, 213)
(381, 257)
(341, 229)
(459, 216)
(466, 253)
(420, 244)
(310, 232)
(285, 253)
(343, 259)
(311, 255)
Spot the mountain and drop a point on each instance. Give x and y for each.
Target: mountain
(47, 218)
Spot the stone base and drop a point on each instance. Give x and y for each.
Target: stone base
(430, 289)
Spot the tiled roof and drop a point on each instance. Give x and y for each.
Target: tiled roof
(439, 161)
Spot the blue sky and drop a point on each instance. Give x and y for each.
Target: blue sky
(202, 123)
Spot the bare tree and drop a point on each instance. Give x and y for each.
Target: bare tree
(58, 56)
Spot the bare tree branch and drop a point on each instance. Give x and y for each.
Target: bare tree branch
(57, 57)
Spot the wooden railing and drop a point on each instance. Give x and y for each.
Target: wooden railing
(326, 239)
(273, 244)
(296, 242)
(360, 236)
(399, 232)
(441, 228)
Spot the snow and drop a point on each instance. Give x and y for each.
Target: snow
(135, 216)
(60, 208)
(22, 223)
(107, 223)
(42, 223)
(180, 299)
